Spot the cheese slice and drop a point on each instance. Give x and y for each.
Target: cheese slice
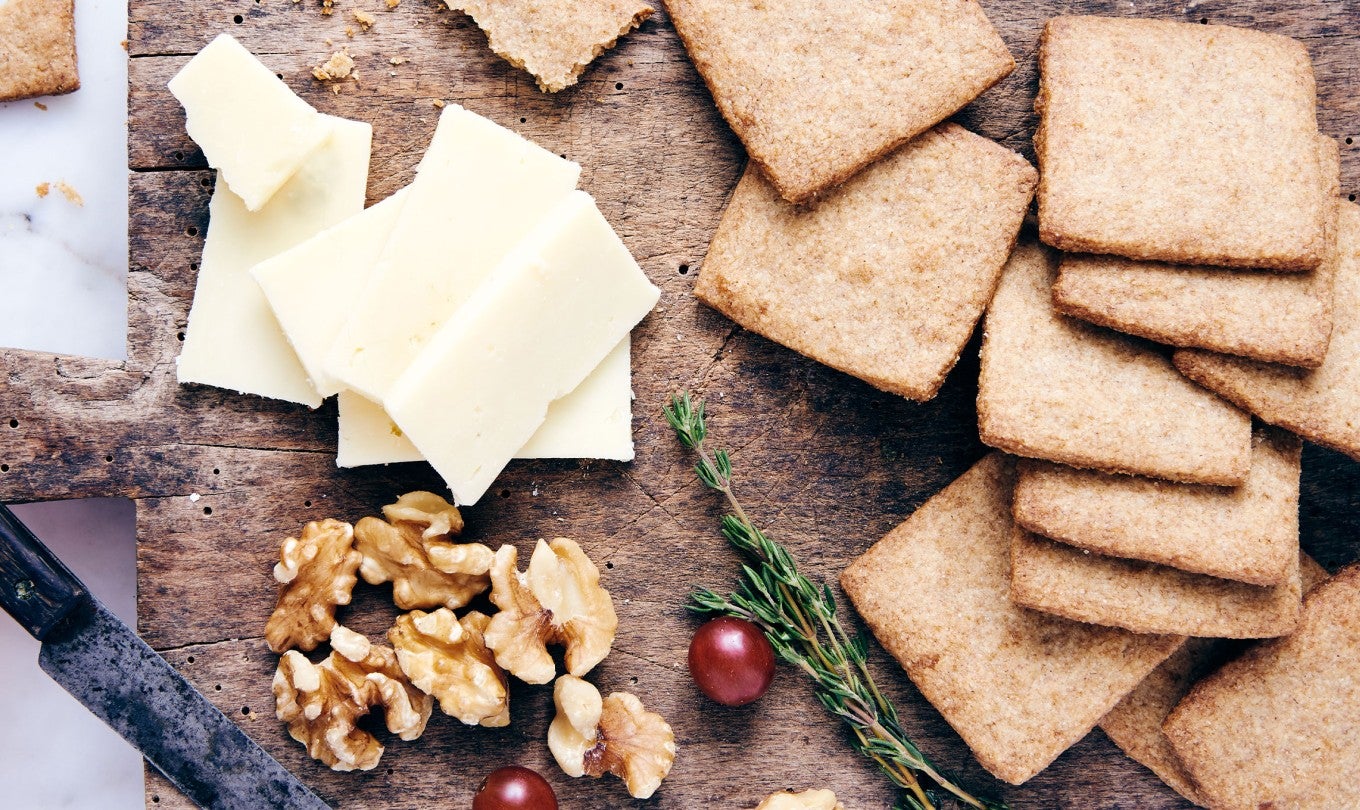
(565, 298)
(232, 340)
(479, 190)
(594, 421)
(313, 286)
(251, 127)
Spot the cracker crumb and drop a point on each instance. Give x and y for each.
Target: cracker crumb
(72, 196)
(349, 31)
(364, 19)
(40, 106)
(42, 189)
(340, 66)
(124, 44)
(439, 103)
(392, 4)
(327, 7)
(397, 60)
(328, 42)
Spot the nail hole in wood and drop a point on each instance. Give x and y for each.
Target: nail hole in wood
(155, 799)
(108, 458)
(684, 269)
(4, 468)
(205, 182)
(279, 75)
(1203, 20)
(207, 510)
(190, 659)
(216, 471)
(192, 230)
(1352, 198)
(609, 565)
(14, 423)
(1350, 141)
(618, 85)
(238, 19)
(526, 120)
(181, 337)
(179, 156)
(306, 503)
(217, 688)
(245, 710)
(193, 266)
(505, 493)
(632, 680)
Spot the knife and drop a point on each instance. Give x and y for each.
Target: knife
(93, 655)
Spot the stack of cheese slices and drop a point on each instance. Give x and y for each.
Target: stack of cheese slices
(480, 314)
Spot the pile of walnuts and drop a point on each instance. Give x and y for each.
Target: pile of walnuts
(460, 662)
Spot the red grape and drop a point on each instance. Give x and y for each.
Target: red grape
(515, 788)
(731, 661)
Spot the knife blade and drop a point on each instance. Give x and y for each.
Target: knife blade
(102, 662)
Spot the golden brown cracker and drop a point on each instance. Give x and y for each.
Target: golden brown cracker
(1135, 725)
(887, 276)
(1144, 597)
(1322, 404)
(553, 39)
(1020, 687)
(37, 48)
(1248, 533)
(1055, 388)
(818, 89)
(1183, 143)
(1280, 726)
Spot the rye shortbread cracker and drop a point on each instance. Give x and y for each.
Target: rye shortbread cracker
(1135, 725)
(1020, 687)
(818, 89)
(886, 276)
(553, 39)
(1280, 726)
(1274, 317)
(1248, 533)
(1175, 142)
(1058, 389)
(1322, 404)
(1144, 597)
(37, 48)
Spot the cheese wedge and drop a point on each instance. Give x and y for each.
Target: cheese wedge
(478, 191)
(233, 340)
(251, 127)
(313, 287)
(565, 298)
(594, 421)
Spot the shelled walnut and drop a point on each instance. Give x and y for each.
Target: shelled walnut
(557, 600)
(316, 572)
(448, 659)
(807, 800)
(414, 551)
(322, 702)
(592, 737)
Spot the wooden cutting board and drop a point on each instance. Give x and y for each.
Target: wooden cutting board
(826, 463)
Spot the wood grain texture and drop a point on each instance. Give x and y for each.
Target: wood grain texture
(827, 463)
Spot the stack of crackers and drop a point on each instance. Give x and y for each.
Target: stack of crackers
(1139, 529)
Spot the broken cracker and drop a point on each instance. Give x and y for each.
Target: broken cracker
(887, 276)
(37, 49)
(1135, 725)
(553, 39)
(1177, 142)
(338, 67)
(1322, 405)
(1248, 533)
(1277, 727)
(819, 89)
(1019, 686)
(1145, 597)
(1055, 388)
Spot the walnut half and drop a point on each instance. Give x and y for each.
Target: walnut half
(316, 573)
(321, 703)
(807, 800)
(592, 737)
(448, 659)
(413, 549)
(558, 600)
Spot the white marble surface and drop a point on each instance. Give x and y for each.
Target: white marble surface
(62, 289)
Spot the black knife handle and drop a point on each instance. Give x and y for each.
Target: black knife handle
(35, 588)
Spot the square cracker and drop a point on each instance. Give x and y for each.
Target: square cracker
(1055, 388)
(1322, 404)
(1135, 725)
(886, 277)
(1176, 142)
(553, 39)
(1020, 687)
(818, 89)
(1274, 317)
(1277, 727)
(1147, 598)
(37, 48)
(1248, 533)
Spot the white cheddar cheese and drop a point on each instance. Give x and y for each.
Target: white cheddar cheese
(594, 421)
(313, 287)
(251, 127)
(232, 340)
(565, 297)
(479, 190)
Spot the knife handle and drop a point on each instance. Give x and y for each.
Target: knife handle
(35, 588)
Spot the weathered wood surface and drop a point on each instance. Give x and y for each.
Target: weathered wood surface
(828, 463)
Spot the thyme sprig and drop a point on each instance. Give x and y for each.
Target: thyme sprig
(799, 619)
